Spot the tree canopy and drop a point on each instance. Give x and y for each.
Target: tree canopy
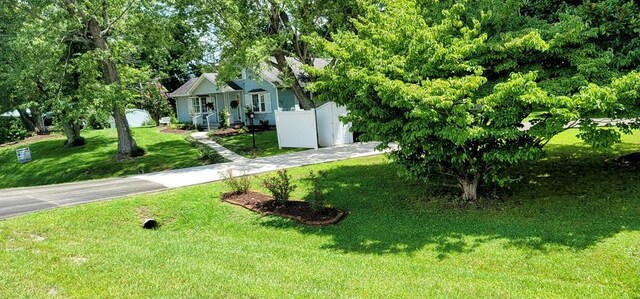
(468, 90)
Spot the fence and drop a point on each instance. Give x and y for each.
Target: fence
(308, 129)
(296, 129)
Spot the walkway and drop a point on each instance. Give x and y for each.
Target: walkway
(223, 151)
(25, 200)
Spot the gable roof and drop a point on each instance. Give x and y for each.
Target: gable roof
(188, 88)
(182, 90)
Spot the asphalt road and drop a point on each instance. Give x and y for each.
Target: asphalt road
(18, 201)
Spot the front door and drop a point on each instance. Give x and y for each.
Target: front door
(235, 107)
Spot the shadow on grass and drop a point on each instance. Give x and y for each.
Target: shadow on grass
(53, 163)
(555, 206)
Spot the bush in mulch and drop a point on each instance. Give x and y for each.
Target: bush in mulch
(300, 211)
(312, 212)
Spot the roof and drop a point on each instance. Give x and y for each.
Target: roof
(272, 74)
(268, 72)
(186, 88)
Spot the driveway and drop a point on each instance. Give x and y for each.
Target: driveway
(19, 201)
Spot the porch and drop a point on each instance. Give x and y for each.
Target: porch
(204, 110)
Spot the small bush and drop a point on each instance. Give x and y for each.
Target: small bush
(12, 129)
(224, 118)
(280, 186)
(264, 125)
(182, 126)
(238, 185)
(316, 199)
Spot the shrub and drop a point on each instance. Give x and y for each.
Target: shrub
(316, 199)
(224, 118)
(280, 186)
(12, 129)
(239, 185)
(264, 124)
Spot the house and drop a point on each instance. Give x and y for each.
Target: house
(201, 99)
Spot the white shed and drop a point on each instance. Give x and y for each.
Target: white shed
(135, 117)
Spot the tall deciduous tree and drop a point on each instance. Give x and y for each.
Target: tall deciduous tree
(250, 33)
(465, 92)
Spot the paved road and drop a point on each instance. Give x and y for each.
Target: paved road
(24, 200)
(19, 201)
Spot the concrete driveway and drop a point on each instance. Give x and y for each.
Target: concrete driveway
(19, 201)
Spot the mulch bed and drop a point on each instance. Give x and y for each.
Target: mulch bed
(225, 132)
(174, 131)
(299, 211)
(31, 139)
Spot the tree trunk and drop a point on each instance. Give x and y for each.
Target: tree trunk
(71, 130)
(40, 128)
(469, 188)
(26, 120)
(127, 147)
(298, 90)
(276, 17)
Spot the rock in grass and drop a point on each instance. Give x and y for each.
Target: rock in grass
(150, 224)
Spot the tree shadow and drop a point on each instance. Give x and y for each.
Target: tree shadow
(554, 206)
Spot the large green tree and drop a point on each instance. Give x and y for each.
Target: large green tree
(468, 91)
(251, 33)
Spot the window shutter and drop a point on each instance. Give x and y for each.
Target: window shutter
(190, 106)
(267, 99)
(248, 101)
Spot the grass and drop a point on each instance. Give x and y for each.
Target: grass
(266, 145)
(53, 163)
(570, 228)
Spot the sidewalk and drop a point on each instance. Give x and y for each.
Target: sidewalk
(210, 173)
(26, 200)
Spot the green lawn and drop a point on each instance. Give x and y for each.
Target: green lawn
(570, 228)
(53, 163)
(266, 144)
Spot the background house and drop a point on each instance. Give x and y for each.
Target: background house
(201, 99)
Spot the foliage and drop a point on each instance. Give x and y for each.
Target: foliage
(265, 34)
(182, 126)
(98, 120)
(554, 238)
(454, 90)
(264, 124)
(317, 197)
(223, 115)
(280, 186)
(154, 99)
(12, 129)
(238, 185)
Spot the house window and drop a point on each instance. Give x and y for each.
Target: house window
(259, 102)
(199, 104)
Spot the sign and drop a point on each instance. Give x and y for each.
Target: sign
(24, 154)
